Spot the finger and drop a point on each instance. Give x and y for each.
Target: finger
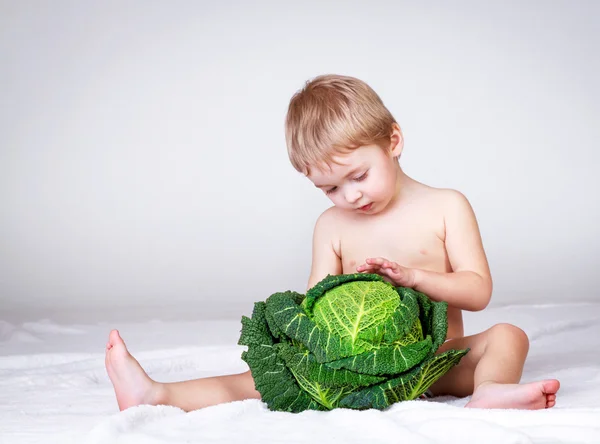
(376, 260)
(368, 268)
(391, 265)
(397, 277)
(379, 272)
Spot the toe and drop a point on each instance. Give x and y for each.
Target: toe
(551, 386)
(114, 338)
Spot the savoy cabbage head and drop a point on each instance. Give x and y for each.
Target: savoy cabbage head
(354, 341)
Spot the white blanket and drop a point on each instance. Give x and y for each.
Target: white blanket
(53, 388)
(414, 421)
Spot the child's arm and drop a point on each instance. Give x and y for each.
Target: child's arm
(466, 290)
(469, 286)
(325, 260)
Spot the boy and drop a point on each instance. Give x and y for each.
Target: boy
(342, 137)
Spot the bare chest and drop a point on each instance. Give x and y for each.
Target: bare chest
(414, 242)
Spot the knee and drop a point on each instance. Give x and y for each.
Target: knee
(510, 334)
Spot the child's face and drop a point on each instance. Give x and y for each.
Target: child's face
(364, 181)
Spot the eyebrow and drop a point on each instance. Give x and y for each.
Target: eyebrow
(350, 173)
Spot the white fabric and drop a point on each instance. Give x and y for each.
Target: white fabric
(53, 388)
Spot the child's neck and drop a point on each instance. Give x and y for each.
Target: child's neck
(403, 188)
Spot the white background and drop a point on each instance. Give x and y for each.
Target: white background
(143, 167)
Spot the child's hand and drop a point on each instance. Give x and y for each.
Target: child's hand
(397, 275)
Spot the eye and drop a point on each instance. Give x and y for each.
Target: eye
(331, 190)
(361, 177)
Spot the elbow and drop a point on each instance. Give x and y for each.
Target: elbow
(484, 295)
(480, 303)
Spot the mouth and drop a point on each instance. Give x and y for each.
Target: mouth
(366, 207)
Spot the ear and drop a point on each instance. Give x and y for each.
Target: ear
(396, 141)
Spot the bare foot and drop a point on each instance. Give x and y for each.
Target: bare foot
(532, 396)
(131, 383)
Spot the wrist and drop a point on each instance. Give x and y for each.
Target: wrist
(417, 278)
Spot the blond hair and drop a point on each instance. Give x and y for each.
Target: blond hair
(333, 114)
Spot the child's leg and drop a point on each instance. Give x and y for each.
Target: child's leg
(492, 369)
(134, 387)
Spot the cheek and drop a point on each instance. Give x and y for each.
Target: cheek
(335, 198)
(379, 186)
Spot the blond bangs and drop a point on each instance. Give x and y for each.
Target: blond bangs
(333, 115)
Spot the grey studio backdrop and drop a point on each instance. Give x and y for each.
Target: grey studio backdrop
(143, 169)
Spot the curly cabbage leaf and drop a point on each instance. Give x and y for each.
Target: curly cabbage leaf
(354, 341)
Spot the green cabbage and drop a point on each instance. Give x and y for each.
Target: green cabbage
(354, 341)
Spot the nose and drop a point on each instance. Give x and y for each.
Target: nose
(352, 195)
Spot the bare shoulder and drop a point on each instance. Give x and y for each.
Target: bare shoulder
(453, 200)
(440, 205)
(440, 195)
(461, 232)
(446, 200)
(440, 200)
(328, 219)
(330, 226)
(333, 219)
